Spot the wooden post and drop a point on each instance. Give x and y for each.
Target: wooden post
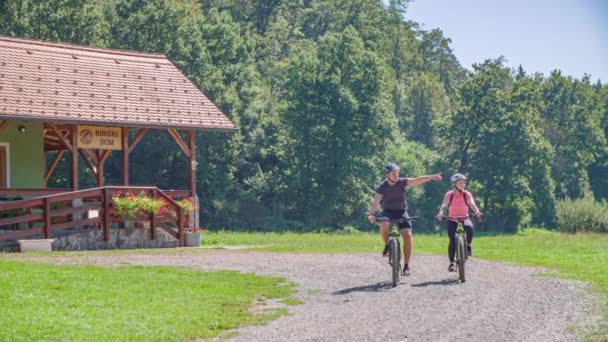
(192, 162)
(74, 161)
(125, 157)
(153, 221)
(194, 216)
(106, 215)
(47, 218)
(180, 227)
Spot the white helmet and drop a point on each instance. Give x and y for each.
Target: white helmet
(459, 176)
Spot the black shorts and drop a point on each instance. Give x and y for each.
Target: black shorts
(402, 215)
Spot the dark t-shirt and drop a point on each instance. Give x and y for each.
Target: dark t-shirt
(394, 197)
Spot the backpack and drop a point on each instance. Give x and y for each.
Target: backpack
(464, 194)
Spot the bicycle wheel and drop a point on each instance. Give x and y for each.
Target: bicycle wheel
(394, 248)
(461, 251)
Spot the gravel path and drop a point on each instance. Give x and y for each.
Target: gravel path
(348, 298)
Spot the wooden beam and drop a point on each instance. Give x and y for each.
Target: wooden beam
(21, 219)
(125, 157)
(63, 139)
(18, 234)
(100, 168)
(53, 138)
(50, 148)
(3, 125)
(91, 155)
(192, 162)
(80, 223)
(51, 167)
(180, 227)
(88, 162)
(46, 211)
(153, 221)
(30, 192)
(74, 160)
(106, 219)
(137, 139)
(104, 156)
(77, 210)
(179, 141)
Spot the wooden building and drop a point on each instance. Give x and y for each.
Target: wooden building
(83, 102)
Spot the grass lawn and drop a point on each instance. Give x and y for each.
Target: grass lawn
(41, 302)
(575, 256)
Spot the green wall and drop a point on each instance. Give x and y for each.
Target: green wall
(26, 154)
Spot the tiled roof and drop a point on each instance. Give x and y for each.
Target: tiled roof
(78, 84)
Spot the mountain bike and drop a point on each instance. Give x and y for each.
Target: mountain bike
(394, 246)
(461, 246)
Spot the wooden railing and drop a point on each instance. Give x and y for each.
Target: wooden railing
(92, 207)
(19, 192)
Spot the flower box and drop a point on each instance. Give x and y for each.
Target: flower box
(192, 237)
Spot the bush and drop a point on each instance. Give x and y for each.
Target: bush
(582, 215)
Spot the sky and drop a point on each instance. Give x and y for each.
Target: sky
(541, 35)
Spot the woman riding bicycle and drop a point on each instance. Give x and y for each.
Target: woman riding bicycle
(391, 193)
(458, 201)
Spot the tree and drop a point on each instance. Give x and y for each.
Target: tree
(421, 109)
(338, 121)
(599, 169)
(70, 21)
(499, 144)
(572, 118)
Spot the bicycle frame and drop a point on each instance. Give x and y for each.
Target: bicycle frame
(393, 233)
(460, 232)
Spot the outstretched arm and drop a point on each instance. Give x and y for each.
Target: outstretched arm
(423, 179)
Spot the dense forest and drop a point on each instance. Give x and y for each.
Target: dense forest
(324, 93)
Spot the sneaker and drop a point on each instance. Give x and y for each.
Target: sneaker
(452, 267)
(385, 252)
(469, 250)
(406, 270)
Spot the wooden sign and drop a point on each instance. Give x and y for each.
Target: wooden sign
(99, 137)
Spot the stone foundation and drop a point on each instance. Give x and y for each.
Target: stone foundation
(80, 239)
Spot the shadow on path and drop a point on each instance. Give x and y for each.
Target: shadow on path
(438, 282)
(378, 287)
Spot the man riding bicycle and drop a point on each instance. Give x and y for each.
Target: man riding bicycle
(391, 193)
(458, 201)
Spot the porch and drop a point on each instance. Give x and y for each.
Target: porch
(55, 215)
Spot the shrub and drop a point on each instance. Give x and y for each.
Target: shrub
(582, 215)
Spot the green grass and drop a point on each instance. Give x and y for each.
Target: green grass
(66, 303)
(313, 242)
(574, 256)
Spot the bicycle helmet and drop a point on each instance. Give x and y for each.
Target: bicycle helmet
(389, 167)
(459, 176)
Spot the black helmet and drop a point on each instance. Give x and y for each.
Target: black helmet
(389, 167)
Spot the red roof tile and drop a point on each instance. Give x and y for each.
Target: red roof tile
(78, 84)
